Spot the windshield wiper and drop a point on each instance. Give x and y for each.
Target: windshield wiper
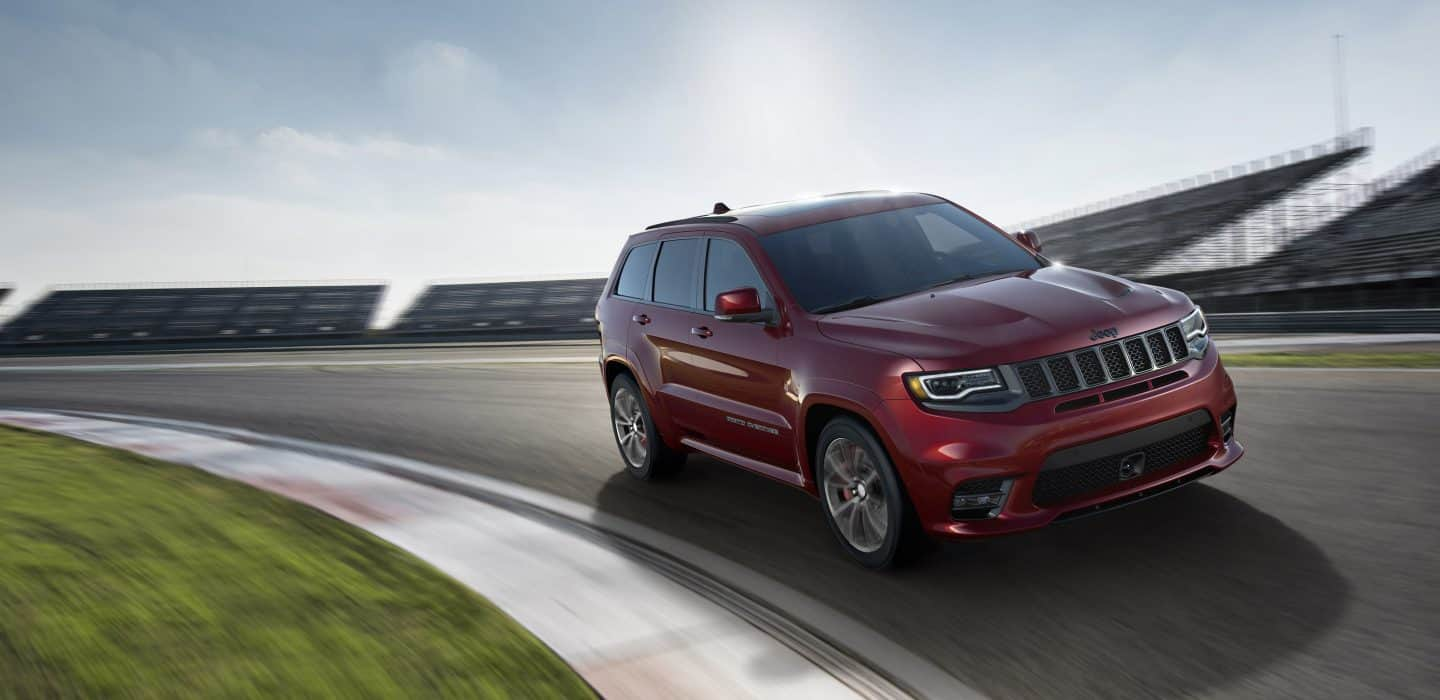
(851, 304)
(868, 299)
(966, 278)
(952, 280)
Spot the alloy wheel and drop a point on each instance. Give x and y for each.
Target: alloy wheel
(853, 493)
(630, 428)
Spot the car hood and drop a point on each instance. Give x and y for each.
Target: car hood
(1008, 318)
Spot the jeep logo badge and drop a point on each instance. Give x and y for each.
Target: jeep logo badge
(1131, 465)
(1110, 332)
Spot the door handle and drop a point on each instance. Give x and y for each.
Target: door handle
(641, 319)
(702, 331)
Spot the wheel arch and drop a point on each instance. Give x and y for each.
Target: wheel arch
(615, 366)
(817, 413)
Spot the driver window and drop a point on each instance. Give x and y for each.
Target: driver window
(727, 268)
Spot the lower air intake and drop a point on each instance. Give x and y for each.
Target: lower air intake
(1167, 446)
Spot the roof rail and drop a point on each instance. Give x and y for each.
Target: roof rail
(703, 218)
(842, 194)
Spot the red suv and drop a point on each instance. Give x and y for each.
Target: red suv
(916, 368)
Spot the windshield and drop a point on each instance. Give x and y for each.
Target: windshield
(864, 259)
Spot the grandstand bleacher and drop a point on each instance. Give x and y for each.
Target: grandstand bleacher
(1383, 254)
(1370, 264)
(551, 308)
(1129, 235)
(105, 316)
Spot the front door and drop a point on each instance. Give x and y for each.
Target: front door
(718, 380)
(730, 367)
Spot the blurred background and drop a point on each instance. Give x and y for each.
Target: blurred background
(1242, 153)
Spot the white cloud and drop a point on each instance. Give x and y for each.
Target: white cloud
(289, 142)
(441, 85)
(286, 141)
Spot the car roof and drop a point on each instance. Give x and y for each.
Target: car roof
(765, 219)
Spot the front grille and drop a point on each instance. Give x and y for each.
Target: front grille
(1099, 365)
(1158, 349)
(1064, 374)
(1090, 367)
(1115, 361)
(1177, 341)
(1166, 454)
(1034, 380)
(1139, 359)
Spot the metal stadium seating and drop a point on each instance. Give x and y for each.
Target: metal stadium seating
(194, 314)
(1385, 253)
(1129, 238)
(552, 308)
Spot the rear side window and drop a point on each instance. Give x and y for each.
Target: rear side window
(634, 279)
(676, 272)
(727, 268)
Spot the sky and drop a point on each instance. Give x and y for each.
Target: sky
(411, 142)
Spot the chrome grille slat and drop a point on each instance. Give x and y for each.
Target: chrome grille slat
(1157, 360)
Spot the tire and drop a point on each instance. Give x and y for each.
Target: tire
(861, 494)
(642, 451)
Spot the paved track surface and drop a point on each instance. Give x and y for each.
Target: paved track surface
(1308, 570)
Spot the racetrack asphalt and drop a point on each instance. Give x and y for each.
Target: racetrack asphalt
(1307, 570)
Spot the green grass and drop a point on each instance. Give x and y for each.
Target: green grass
(1333, 359)
(121, 575)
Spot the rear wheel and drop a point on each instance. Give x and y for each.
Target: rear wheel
(863, 499)
(645, 455)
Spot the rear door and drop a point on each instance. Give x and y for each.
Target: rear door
(666, 325)
(621, 312)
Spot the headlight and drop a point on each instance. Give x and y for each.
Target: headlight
(952, 386)
(1197, 332)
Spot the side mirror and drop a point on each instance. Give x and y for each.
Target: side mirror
(1029, 240)
(741, 306)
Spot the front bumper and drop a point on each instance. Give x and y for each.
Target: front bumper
(935, 453)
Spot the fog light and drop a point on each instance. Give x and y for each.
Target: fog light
(979, 499)
(1227, 426)
(984, 499)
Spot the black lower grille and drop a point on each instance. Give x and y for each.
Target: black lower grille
(1065, 483)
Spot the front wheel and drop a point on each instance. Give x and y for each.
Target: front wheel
(864, 502)
(644, 453)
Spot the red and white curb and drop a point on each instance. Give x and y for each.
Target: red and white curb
(631, 619)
